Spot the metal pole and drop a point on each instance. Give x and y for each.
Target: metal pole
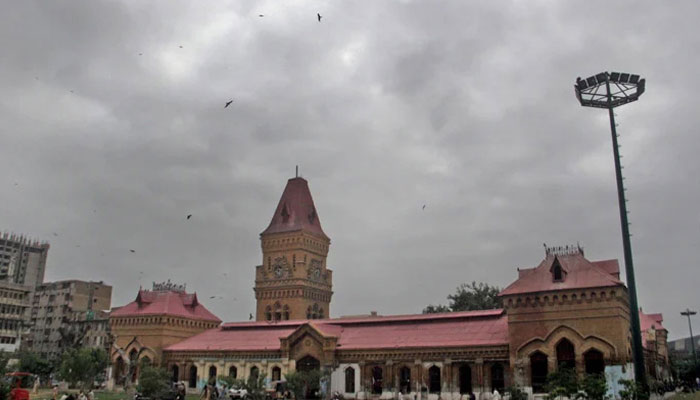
(688, 313)
(638, 351)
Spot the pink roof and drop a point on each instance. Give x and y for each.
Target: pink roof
(578, 273)
(177, 304)
(476, 328)
(648, 321)
(296, 211)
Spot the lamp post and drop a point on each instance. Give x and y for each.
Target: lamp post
(610, 90)
(688, 313)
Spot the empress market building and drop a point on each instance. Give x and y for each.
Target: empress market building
(566, 311)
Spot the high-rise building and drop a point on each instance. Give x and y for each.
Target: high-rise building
(294, 282)
(22, 260)
(56, 306)
(14, 305)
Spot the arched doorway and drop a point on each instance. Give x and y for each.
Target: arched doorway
(595, 363)
(192, 382)
(566, 358)
(497, 377)
(405, 380)
(538, 371)
(434, 379)
(233, 372)
(349, 380)
(377, 379)
(176, 373)
(119, 370)
(212, 374)
(254, 372)
(465, 379)
(276, 373)
(308, 363)
(133, 365)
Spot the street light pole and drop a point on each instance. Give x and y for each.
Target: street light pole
(688, 313)
(597, 91)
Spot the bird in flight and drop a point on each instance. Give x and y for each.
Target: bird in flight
(133, 251)
(55, 234)
(261, 15)
(140, 54)
(228, 103)
(319, 16)
(180, 46)
(189, 216)
(424, 206)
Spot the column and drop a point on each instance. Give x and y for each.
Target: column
(479, 367)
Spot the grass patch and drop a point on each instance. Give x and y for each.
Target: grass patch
(686, 396)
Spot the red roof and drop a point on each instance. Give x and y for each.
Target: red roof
(578, 273)
(474, 328)
(648, 321)
(296, 211)
(173, 303)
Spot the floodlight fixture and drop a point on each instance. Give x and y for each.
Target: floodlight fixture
(688, 313)
(610, 90)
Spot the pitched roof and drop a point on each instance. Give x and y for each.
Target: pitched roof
(578, 273)
(173, 303)
(296, 211)
(472, 328)
(648, 321)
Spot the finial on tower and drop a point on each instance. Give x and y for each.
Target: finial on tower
(296, 175)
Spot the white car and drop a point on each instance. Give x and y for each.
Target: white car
(237, 393)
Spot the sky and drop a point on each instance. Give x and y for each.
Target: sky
(113, 129)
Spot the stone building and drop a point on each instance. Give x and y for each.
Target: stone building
(22, 260)
(14, 306)
(567, 311)
(160, 317)
(654, 341)
(56, 306)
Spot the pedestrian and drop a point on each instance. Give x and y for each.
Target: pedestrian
(472, 396)
(81, 396)
(496, 395)
(205, 393)
(91, 395)
(54, 393)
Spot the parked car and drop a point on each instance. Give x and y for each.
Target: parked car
(237, 393)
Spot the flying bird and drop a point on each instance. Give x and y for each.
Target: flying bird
(140, 54)
(189, 216)
(55, 234)
(228, 103)
(424, 206)
(261, 15)
(319, 17)
(250, 317)
(180, 46)
(133, 251)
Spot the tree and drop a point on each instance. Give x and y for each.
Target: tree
(469, 297)
(254, 386)
(516, 393)
(593, 387)
(4, 386)
(83, 366)
(154, 382)
(632, 390)
(32, 363)
(562, 383)
(302, 382)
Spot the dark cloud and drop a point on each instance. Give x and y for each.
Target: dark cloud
(386, 106)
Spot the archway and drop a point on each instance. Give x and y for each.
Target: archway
(212, 374)
(595, 362)
(377, 379)
(192, 382)
(405, 380)
(566, 358)
(233, 372)
(349, 380)
(133, 365)
(254, 372)
(538, 371)
(176, 373)
(276, 373)
(434, 381)
(119, 370)
(465, 379)
(497, 377)
(308, 363)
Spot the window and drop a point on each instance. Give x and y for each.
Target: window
(557, 272)
(538, 371)
(595, 364)
(192, 382)
(254, 372)
(232, 372)
(350, 380)
(565, 354)
(434, 384)
(212, 373)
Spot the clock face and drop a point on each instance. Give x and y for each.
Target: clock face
(317, 273)
(278, 271)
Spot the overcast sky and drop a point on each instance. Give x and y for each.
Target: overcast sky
(113, 129)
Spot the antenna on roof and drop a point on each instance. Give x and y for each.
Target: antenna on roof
(296, 175)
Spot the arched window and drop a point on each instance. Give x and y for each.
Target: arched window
(192, 383)
(285, 312)
(320, 313)
(349, 380)
(465, 379)
(278, 312)
(556, 271)
(405, 380)
(254, 372)
(276, 373)
(434, 384)
(268, 313)
(497, 378)
(233, 372)
(212, 373)
(176, 373)
(566, 357)
(538, 371)
(377, 379)
(595, 363)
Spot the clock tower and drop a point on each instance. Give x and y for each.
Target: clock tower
(293, 281)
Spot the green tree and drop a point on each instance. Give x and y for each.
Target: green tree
(4, 386)
(562, 383)
(632, 390)
(34, 364)
(154, 382)
(254, 386)
(593, 387)
(516, 393)
(83, 366)
(469, 297)
(302, 382)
